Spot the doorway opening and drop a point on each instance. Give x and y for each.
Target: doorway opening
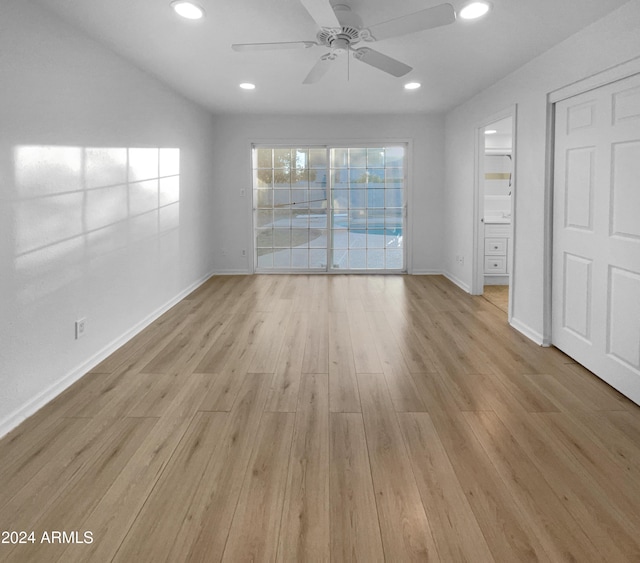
(494, 211)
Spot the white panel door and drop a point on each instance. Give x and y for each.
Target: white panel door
(596, 232)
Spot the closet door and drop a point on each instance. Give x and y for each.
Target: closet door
(596, 232)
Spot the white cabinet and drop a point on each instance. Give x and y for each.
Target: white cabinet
(497, 239)
(495, 265)
(495, 246)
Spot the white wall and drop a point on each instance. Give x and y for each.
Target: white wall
(75, 239)
(234, 135)
(608, 42)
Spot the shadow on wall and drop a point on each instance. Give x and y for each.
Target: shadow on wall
(73, 206)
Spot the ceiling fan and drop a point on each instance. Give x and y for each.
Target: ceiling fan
(341, 29)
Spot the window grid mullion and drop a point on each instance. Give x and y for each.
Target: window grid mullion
(369, 209)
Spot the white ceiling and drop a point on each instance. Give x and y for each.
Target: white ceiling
(502, 138)
(452, 62)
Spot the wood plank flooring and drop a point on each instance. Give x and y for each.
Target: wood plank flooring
(498, 295)
(328, 418)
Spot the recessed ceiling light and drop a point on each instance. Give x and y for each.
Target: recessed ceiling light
(187, 10)
(490, 132)
(474, 10)
(412, 85)
(247, 86)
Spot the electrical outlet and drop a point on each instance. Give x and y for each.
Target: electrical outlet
(81, 327)
(242, 192)
(244, 252)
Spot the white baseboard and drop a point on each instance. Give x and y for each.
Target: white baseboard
(496, 280)
(425, 273)
(232, 273)
(25, 411)
(462, 285)
(247, 272)
(528, 332)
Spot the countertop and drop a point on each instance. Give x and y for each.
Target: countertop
(493, 220)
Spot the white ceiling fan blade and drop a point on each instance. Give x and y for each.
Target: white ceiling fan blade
(273, 46)
(319, 69)
(322, 12)
(419, 21)
(382, 62)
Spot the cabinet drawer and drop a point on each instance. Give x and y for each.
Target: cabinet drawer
(495, 265)
(497, 230)
(495, 246)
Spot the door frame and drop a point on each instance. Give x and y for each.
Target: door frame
(603, 78)
(328, 143)
(477, 280)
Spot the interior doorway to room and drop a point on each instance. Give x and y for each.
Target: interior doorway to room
(329, 208)
(495, 194)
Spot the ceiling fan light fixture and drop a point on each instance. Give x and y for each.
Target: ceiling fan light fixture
(187, 10)
(474, 10)
(248, 86)
(412, 85)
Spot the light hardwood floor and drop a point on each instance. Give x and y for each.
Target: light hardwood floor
(498, 295)
(329, 418)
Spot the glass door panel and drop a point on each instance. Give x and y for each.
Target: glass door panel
(290, 208)
(367, 211)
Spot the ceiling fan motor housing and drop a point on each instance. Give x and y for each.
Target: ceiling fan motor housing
(341, 38)
(337, 38)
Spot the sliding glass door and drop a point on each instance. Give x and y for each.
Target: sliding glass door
(329, 208)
